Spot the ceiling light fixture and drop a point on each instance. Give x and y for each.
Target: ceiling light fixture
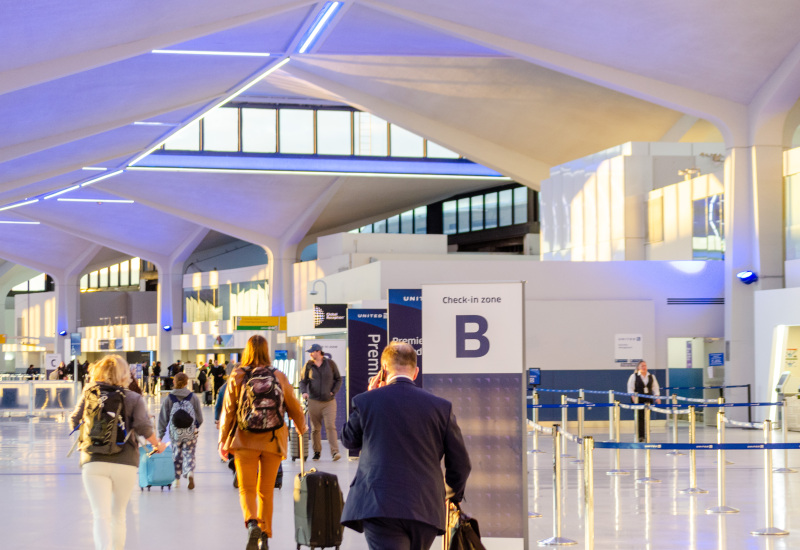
(10, 206)
(205, 52)
(96, 168)
(322, 20)
(217, 105)
(98, 201)
(320, 173)
(19, 223)
(100, 178)
(57, 193)
(146, 123)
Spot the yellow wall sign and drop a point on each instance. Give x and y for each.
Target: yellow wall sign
(261, 323)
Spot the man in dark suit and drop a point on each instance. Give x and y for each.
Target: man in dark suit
(397, 497)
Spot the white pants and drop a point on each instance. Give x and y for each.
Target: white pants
(109, 487)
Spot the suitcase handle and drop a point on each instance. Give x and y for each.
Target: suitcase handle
(302, 454)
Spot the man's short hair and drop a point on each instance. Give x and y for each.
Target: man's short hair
(399, 355)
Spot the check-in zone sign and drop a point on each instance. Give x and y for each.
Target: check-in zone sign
(473, 328)
(475, 358)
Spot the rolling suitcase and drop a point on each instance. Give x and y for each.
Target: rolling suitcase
(157, 470)
(318, 504)
(294, 444)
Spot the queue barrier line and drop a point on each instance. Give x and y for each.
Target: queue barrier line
(590, 405)
(695, 446)
(703, 387)
(632, 406)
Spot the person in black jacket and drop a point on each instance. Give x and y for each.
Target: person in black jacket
(156, 377)
(397, 498)
(319, 383)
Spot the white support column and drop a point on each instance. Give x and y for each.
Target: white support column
(753, 241)
(281, 296)
(170, 309)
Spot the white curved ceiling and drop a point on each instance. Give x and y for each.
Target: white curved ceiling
(518, 86)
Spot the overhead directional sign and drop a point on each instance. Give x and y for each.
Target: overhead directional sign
(261, 323)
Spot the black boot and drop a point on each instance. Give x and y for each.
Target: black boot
(253, 535)
(264, 541)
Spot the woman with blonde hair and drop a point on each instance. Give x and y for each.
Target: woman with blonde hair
(109, 450)
(252, 428)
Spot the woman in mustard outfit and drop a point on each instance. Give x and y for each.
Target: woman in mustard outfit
(257, 455)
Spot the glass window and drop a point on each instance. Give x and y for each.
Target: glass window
(521, 205)
(379, 227)
(435, 150)
(84, 282)
(477, 213)
(93, 279)
(421, 220)
(367, 229)
(371, 135)
(506, 206)
(259, 133)
(463, 215)
(490, 210)
(221, 130)
(37, 284)
(135, 265)
(449, 218)
(113, 275)
(333, 133)
(185, 139)
(407, 222)
(405, 143)
(393, 224)
(296, 131)
(125, 273)
(655, 220)
(104, 278)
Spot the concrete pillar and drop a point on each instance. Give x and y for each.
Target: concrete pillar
(281, 296)
(753, 241)
(170, 308)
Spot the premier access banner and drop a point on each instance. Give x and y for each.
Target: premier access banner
(405, 321)
(366, 338)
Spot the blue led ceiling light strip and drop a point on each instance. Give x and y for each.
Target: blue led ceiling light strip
(322, 20)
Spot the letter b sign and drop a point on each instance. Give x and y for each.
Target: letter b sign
(477, 326)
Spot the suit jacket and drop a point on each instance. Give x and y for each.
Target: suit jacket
(403, 433)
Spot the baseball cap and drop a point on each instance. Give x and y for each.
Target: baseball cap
(314, 347)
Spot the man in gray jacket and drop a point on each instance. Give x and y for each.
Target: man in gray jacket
(319, 382)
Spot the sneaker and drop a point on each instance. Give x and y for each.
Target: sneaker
(191, 481)
(235, 481)
(253, 535)
(336, 456)
(316, 456)
(264, 541)
(176, 483)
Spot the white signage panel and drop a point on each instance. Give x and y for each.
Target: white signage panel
(473, 328)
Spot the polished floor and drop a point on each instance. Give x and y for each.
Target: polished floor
(44, 505)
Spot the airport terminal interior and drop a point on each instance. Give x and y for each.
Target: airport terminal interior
(177, 176)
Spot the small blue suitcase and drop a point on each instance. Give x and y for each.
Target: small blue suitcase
(157, 470)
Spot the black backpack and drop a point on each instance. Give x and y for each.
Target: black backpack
(261, 405)
(103, 429)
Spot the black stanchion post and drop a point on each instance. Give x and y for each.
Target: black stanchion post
(749, 409)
